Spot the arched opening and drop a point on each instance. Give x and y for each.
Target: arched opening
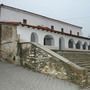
(84, 45)
(34, 37)
(71, 43)
(61, 43)
(78, 45)
(89, 47)
(48, 40)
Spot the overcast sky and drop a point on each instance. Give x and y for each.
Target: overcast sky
(73, 11)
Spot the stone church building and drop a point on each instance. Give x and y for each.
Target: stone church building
(51, 33)
(53, 39)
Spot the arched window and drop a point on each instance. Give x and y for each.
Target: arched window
(78, 45)
(48, 40)
(89, 47)
(34, 37)
(84, 45)
(70, 43)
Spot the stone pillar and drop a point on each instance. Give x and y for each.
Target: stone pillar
(74, 46)
(81, 47)
(86, 47)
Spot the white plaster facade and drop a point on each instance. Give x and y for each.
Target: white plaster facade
(58, 40)
(25, 35)
(13, 14)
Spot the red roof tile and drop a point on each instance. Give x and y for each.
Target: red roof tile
(42, 28)
(9, 22)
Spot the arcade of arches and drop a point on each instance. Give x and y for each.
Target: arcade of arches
(34, 37)
(49, 41)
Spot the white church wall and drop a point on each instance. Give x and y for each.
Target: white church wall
(9, 14)
(25, 35)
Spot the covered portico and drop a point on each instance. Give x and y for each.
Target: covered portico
(53, 39)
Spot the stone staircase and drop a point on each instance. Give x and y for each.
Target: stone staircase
(80, 58)
(43, 60)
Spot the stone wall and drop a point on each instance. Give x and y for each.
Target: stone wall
(40, 59)
(8, 41)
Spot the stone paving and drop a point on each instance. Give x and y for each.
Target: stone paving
(13, 77)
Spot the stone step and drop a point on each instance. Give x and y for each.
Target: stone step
(84, 64)
(88, 76)
(81, 57)
(75, 54)
(87, 66)
(88, 70)
(81, 53)
(74, 57)
(89, 81)
(78, 60)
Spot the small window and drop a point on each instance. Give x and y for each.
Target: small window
(52, 27)
(77, 33)
(24, 21)
(62, 30)
(70, 31)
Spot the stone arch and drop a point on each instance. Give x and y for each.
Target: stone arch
(49, 40)
(78, 45)
(34, 37)
(61, 43)
(85, 45)
(71, 43)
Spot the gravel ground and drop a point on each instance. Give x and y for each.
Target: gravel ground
(14, 77)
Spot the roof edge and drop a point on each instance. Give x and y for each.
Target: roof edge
(41, 28)
(55, 31)
(10, 22)
(2, 5)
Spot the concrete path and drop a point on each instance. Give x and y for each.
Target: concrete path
(14, 77)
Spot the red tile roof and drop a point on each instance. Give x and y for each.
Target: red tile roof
(42, 28)
(51, 30)
(9, 22)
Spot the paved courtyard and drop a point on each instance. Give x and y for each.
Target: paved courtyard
(13, 77)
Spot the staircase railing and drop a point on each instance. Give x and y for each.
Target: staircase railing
(41, 59)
